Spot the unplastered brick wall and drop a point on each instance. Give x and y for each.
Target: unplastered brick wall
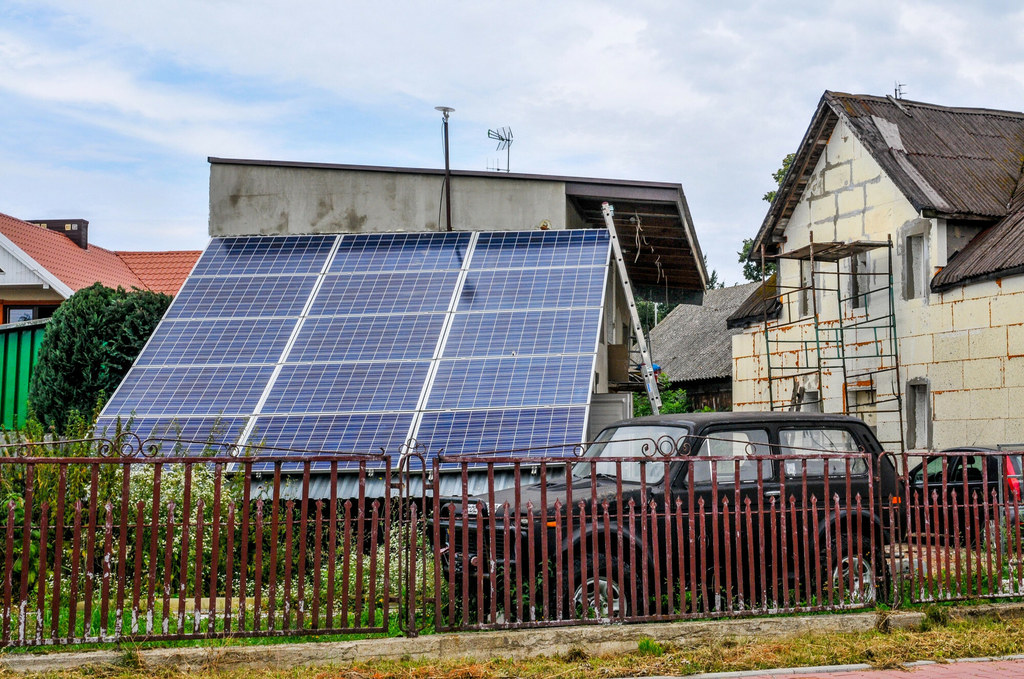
(966, 345)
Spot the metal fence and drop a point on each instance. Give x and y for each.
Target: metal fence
(105, 540)
(962, 541)
(617, 539)
(133, 543)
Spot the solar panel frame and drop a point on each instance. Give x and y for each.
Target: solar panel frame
(268, 255)
(200, 434)
(521, 333)
(323, 388)
(449, 301)
(209, 342)
(243, 297)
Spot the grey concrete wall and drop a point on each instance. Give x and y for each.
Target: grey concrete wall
(270, 200)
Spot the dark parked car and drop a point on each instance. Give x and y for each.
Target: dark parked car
(762, 510)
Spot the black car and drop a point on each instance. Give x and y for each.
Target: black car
(688, 512)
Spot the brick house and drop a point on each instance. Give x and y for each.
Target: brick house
(899, 234)
(43, 263)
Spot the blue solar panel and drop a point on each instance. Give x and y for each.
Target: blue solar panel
(207, 430)
(384, 293)
(541, 250)
(401, 252)
(504, 430)
(241, 297)
(264, 255)
(347, 387)
(334, 433)
(522, 333)
(176, 392)
(532, 289)
(221, 341)
(261, 339)
(361, 338)
(512, 382)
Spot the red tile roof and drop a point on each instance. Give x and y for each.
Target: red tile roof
(78, 268)
(161, 271)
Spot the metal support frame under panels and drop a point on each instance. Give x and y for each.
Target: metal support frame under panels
(646, 362)
(839, 319)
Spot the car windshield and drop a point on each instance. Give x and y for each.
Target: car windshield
(649, 443)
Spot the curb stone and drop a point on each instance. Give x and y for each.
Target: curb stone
(518, 644)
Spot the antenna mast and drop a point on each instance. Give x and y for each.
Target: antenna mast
(445, 112)
(504, 138)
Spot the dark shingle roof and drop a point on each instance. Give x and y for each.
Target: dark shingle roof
(693, 343)
(998, 250)
(958, 163)
(763, 302)
(953, 161)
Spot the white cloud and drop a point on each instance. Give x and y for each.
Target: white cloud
(708, 95)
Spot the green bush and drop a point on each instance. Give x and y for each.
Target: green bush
(89, 344)
(672, 400)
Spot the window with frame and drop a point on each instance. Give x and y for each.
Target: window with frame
(806, 296)
(739, 445)
(860, 280)
(810, 443)
(810, 402)
(915, 267)
(28, 312)
(919, 417)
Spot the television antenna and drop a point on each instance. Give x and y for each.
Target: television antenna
(504, 138)
(898, 90)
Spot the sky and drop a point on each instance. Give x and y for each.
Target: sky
(109, 109)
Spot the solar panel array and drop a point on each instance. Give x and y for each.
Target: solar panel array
(467, 342)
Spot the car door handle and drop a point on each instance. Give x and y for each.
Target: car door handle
(773, 492)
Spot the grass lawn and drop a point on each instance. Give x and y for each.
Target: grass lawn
(938, 639)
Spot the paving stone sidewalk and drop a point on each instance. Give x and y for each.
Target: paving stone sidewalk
(963, 669)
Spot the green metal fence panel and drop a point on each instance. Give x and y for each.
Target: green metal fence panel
(19, 351)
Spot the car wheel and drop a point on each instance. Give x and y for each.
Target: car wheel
(599, 596)
(869, 576)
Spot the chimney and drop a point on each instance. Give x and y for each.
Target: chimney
(75, 229)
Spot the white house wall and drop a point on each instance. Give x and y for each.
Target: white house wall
(16, 274)
(966, 345)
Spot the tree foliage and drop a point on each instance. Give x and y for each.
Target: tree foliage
(645, 310)
(89, 344)
(778, 176)
(752, 270)
(672, 400)
(713, 281)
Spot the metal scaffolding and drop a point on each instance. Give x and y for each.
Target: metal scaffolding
(837, 331)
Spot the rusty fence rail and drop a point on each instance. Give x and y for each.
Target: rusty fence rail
(131, 544)
(961, 510)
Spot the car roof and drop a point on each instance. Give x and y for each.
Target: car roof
(701, 420)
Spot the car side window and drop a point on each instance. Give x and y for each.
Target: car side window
(974, 470)
(934, 469)
(738, 445)
(810, 443)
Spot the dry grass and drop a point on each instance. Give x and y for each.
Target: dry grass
(958, 639)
